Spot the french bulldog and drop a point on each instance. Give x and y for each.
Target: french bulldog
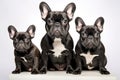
(27, 55)
(57, 44)
(90, 52)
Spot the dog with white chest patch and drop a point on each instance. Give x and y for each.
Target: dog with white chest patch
(27, 55)
(57, 44)
(90, 52)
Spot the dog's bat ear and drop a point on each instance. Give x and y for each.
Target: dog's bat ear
(70, 9)
(44, 9)
(99, 23)
(12, 31)
(79, 24)
(31, 30)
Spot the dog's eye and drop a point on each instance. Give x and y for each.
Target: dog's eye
(49, 21)
(97, 35)
(26, 40)
(83, 34)
(16, 40)
(65, 21)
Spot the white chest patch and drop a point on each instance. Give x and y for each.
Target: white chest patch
(88, 57)
(58, 47)
(24, 59)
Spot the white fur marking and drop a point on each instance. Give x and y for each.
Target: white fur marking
(89, 67)
(88, 57)
(24, 59)
(30, 69)
(58, 47)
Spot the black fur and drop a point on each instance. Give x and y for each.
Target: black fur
(27, 55)
(57, 26)
(90, 42)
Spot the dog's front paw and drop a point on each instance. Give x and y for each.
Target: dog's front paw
(69, 69)
(104, 71)
(43, 70)
(35, 71)
(17, 71)
(77, 71)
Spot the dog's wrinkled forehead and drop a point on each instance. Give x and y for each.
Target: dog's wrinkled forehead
(89, 29)
(57, 15)
(22, 35)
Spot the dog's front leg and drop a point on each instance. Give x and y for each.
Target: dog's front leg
(35, 66)
(43, 70)
(18, 65)
(102, 64)
(78, 63)
(69, 68)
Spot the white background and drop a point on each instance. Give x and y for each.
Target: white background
(22, 13)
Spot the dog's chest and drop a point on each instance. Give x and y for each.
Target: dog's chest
(23, 58)
(58, 47)
(89, 58)
(27, 58)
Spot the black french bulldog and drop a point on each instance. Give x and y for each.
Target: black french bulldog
(27, 55)
(57, 44)
(90, 52)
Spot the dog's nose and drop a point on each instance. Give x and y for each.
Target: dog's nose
(20, 41)
(57, 24)
(90, 37)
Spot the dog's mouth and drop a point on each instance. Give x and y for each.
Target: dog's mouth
(21, 50)
(90, 45)
(60, 67)
(57, 34)
(21, 47)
